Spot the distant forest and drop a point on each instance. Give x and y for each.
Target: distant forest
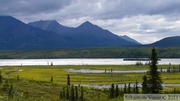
(111, 52)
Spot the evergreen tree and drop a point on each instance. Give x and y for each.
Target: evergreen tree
(125, 88)
(117, 91)
(136, 88)
(76, 89)
(67, 93)
(61, 94)
(51, 63)
(11, 91)
(72, 93)
(154, 81)
(82, 94)
(112, 91)
(51, 79)
(169, 69)
(68, 80)
(129, 88)
(0, 78)
(144, 85)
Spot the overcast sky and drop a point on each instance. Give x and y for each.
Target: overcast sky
(144, 20)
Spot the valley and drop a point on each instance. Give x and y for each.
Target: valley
(35, 82)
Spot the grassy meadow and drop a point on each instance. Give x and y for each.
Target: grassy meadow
(34, 82)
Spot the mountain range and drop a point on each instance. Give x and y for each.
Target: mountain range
(84, 32)
(49, 34)
(15, 34)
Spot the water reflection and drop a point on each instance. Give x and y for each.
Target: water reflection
(120, 85)
(107, 71)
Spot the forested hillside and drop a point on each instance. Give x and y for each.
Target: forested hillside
(122, 52)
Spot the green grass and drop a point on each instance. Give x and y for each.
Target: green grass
(44, 73)
(35, 82)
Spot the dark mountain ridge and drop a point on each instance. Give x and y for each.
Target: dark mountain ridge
(15, 34)
(89, 34)
(51, 25)
(168, 41)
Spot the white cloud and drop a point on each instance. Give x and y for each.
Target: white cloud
(145, 29)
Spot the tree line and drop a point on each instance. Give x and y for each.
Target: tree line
(151, 81)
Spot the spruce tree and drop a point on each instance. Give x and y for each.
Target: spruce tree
(154, 79)
(76, 89)
(144, 85)
(82, 94)
(68, 80)
(129, 88)
(67, 93)
(117, 91)
(11, 91)
(61, 94)
(112, 91)
(125, 88)
(51, 79)
(0, 78)
(72, 93)
(136, 88)
(51, 63)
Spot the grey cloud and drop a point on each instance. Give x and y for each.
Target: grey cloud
(115, 9)
(98, 9)
(126, 8)
(31, 6)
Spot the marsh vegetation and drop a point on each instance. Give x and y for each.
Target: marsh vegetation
(35, 82)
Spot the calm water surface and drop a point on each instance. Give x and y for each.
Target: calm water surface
(19, 62)
(122, 85)
(108, 71)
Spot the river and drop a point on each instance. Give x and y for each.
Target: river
(108, 71)
(25, 62)
(121, 85)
